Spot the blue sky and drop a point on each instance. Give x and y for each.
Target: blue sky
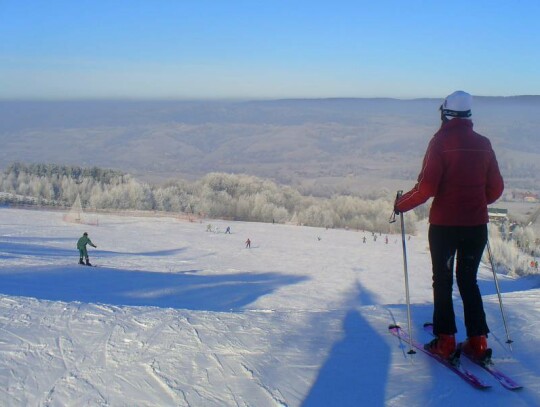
(260, 49)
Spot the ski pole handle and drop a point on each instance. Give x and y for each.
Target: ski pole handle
(398, 196)
(394, 212)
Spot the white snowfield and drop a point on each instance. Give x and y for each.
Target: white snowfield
(177, 316)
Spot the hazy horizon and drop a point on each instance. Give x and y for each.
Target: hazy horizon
(244, 100)
(322, 146)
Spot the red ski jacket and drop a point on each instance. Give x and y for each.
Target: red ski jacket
(460, 171)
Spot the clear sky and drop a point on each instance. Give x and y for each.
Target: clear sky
(260, 49)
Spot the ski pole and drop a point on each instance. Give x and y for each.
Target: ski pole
(407, 298)
(490, 255)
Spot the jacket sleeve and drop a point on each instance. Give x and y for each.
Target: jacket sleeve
(494, 182)
(428, 181)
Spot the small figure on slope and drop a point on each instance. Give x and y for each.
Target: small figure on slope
(460, 171)
(248, 243)
(81, 245)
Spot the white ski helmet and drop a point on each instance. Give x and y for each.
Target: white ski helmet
(457, 104)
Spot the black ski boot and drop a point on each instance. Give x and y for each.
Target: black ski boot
(88, 262)
(81, 262)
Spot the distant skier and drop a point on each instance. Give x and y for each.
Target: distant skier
(460, 171)
(81, 245)
(248, 243)
(228, 230)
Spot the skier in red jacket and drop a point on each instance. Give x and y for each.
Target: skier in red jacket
(461, 173)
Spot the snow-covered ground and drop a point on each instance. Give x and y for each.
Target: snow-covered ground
(177, 316)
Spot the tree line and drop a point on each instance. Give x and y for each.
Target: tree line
(216, 195)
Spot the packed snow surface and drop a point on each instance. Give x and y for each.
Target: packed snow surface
(177, 315)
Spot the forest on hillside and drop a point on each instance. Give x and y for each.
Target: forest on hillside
(216, 195)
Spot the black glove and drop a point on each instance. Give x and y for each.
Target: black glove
(398, 196)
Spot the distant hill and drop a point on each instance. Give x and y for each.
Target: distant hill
(322, 146)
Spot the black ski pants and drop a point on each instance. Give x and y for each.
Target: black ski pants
(465, 245)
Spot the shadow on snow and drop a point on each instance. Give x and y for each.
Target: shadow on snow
(12, 247)
(342, 380)
(104, 285)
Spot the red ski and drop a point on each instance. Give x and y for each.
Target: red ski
(486, 364)
(453, 364)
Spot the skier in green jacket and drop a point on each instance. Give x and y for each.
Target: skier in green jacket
(81, 245)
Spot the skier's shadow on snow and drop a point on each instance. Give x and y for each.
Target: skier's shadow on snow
(341, 380)
(228, 292)
(35, 246)
(14, 248)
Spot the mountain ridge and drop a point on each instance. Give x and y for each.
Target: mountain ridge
(332, 144)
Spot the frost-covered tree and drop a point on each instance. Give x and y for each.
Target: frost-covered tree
(508, 258)
(231, 196)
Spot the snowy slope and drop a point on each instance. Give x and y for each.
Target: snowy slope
(177, 316)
